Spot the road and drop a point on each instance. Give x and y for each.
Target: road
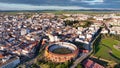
(89, 46)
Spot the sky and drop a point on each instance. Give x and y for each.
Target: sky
(58, 4)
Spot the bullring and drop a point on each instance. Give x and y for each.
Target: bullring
(61, 52)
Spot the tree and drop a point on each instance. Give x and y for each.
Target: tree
(79, 66)
(34, 66)
(58, 66)
(63, 65)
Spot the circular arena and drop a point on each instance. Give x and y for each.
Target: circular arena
(61, 52)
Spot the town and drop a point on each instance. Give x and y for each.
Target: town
(48, 40)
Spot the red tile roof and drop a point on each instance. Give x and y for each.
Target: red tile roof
(91, 64)
(1, 56)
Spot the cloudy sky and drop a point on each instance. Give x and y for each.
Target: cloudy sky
(58, 4)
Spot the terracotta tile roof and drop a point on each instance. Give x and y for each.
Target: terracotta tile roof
(1, 56)
(91, 64)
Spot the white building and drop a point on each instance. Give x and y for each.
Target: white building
(23, 31)
(53, 38)
(104, 31)
(115, 30)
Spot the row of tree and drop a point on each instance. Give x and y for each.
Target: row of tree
(114, 36)
(77, 23)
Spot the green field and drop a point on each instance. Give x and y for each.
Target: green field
(104, 49)
(61, 12)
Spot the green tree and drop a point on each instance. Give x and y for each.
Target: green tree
(79, 66)
(34, 66)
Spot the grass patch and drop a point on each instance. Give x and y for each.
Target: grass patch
(62, 51)
(106, 48)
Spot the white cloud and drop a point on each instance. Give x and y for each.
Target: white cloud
(91, 2)
(6, 6)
